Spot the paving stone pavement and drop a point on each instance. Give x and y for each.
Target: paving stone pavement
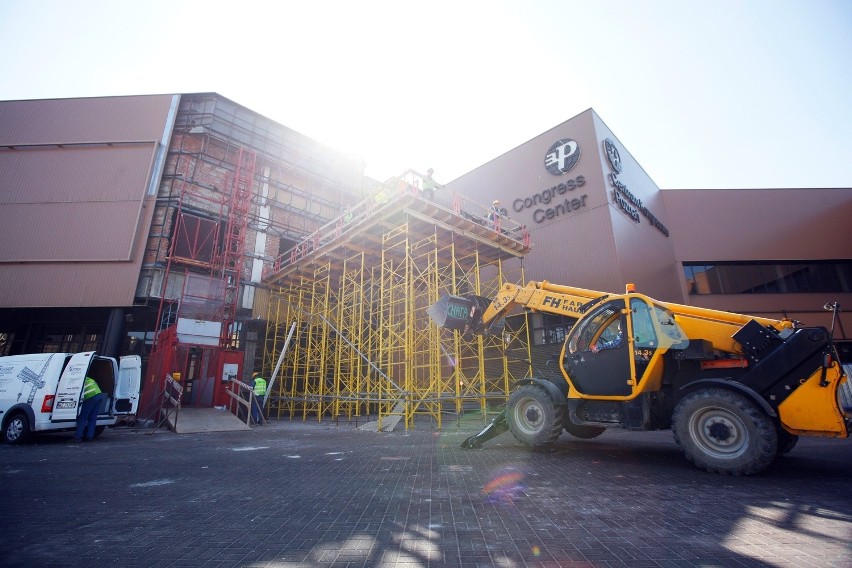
(308, 494)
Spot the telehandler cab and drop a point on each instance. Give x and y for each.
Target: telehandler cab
(736, 391)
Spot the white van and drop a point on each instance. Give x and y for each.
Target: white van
(42, 392)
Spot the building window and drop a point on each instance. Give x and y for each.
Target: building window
(768, 277)
(548, 329)
(59, 342)
(196, 240)
(91, 341)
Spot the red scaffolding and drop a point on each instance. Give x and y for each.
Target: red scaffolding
(195, 337)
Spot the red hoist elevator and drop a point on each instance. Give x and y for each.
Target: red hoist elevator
(195, 342)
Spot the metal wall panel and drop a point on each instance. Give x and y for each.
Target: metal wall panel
(716, 225)
(74, 203)
(760, 224)
(63, 284)
(74, 214)
(89, 120)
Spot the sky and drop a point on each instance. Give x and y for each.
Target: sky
(721, 94)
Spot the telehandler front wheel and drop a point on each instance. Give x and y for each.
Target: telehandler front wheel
(533, 417)
(722, 431)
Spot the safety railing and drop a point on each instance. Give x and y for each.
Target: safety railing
(495, 218)
(466, 208)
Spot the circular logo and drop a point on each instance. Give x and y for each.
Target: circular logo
(612, 155)
(562, 156)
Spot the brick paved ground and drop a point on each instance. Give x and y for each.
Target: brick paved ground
(317, 495)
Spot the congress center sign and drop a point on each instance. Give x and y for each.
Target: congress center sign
(561, 198)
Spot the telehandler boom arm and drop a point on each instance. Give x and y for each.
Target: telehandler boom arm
(477, 314)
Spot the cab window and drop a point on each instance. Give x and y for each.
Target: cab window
(644, 335)
(597, 326)
(673, 336)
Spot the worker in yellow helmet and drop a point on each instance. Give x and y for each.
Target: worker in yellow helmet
(258, 385)
(88, 417)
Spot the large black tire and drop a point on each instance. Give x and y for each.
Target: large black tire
(17, 429)
(724, 432)
(533, 417)
(99, 430)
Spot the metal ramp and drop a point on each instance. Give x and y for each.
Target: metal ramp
(387, 422)
(192, 420)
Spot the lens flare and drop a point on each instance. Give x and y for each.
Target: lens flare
(505, 486)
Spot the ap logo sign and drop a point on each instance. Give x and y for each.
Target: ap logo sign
(562, 156)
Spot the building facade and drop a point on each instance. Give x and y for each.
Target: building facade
(122, 216)
(597, 220)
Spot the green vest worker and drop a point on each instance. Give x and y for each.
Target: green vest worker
(87, 419)
(91, 388)
(259, 387)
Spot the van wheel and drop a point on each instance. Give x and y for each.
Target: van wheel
(724, 432)
(99, 430)
(17, 430)
(533, 417)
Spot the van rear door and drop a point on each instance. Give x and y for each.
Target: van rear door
(126, 399)
(71, 386)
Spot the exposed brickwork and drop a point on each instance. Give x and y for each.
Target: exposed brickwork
(308, 186)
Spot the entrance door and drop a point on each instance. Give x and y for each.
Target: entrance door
(198, 376)
(190, 375)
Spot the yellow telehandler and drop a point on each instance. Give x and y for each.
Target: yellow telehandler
(736, 391)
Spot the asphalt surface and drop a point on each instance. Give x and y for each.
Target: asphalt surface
(308, 494)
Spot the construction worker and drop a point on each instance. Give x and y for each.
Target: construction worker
(88, 417)
(494, 213)
(258, 384)
(429, 185)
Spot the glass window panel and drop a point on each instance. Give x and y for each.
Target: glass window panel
(768, 277)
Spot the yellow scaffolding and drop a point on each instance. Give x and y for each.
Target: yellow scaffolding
(364, 345)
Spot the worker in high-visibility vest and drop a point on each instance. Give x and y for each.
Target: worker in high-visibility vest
(258, 385)
(87, 419)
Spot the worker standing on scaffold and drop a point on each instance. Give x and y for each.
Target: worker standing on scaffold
(494, 214)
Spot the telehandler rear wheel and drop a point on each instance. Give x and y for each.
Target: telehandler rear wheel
(533, 417)
(724, 432)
